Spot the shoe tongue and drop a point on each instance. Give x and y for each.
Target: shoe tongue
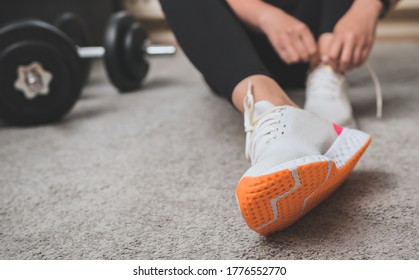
(262, 106)
(326, 71)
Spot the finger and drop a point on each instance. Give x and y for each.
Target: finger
(300, 48)
(346, 56)
(279, 47)
(288, 50)
(335, 51)
(292, 54)
(357, 58)
(309, 43)
(283, 54)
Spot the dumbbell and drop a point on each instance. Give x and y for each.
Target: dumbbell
(125, 51)
(125, 48)
(40, 77)
(125, 45)
(76, 28)
(40, 67)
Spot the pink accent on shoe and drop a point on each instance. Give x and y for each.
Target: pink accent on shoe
(337, 128)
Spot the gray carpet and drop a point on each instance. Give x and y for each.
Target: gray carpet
(152, 175)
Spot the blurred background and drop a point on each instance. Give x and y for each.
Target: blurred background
(401, 24)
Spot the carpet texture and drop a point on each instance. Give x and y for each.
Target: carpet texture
(152, 175)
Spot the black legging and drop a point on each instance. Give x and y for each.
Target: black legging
(225, 51)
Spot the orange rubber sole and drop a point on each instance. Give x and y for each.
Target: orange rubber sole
(272, 202)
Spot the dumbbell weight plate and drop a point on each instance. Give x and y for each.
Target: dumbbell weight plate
(118, 71)
(26, 42)
(76, 29)
(134, 52)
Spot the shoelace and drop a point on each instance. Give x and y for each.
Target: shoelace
(378, 90)
(264, 127)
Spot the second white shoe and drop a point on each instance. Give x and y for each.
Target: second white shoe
(327, 96)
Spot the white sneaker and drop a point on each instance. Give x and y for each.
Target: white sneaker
(298, 159)
(326, 96)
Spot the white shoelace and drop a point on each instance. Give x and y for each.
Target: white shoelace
(378, 90)
(265, 127)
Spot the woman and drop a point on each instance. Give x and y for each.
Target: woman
(249, 51)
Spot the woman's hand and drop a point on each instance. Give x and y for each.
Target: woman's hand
(354, 34)
(290, 37)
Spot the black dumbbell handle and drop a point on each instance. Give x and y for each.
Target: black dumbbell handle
(99, 52)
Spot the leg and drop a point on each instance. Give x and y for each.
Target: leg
(290, 173)
(217, 44)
